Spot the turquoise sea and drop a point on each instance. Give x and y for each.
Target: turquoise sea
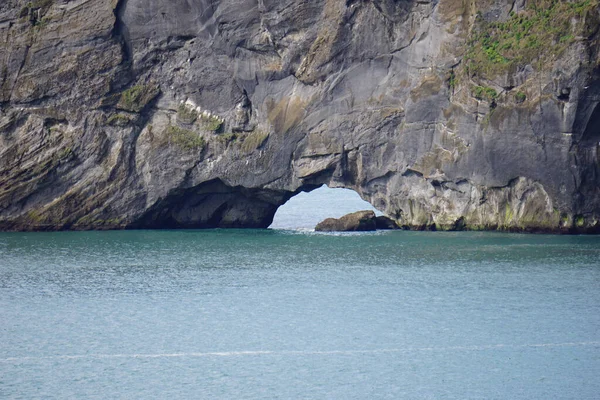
(294, 314)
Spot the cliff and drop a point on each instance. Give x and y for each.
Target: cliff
(445, 114)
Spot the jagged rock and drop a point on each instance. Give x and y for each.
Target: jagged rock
(357, 221)
(242, 114)
(385, 223)
(377, 96)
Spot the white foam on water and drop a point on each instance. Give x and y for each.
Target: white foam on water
(298, 352)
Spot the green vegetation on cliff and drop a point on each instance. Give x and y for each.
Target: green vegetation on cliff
(539, 33)
(186, 115)
(137, 97)
(118, 120)
(211, 123)
(485, 93)
(184, 138)
(520, 97)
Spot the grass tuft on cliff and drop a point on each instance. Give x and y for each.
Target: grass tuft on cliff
(184, 138)
(539, 33)
(186, 115)
(137, 97)
(485, 93)
(211, 123)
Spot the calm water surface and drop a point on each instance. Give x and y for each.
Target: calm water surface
(279, 314)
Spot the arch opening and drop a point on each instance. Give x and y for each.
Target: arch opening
(307, 208)
(212, 204)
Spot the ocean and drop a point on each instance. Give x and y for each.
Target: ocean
(287, 313)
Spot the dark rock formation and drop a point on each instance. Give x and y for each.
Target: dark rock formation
(385, 223)
(357, 221)
(156, 113)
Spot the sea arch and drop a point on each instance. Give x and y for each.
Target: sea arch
(215, 204)
(306, 209)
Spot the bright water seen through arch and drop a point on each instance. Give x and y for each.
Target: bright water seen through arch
(296, 314)
(305, 210)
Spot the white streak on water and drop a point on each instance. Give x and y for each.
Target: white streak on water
(297, 352)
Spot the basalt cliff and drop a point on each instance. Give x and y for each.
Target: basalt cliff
(444, 114)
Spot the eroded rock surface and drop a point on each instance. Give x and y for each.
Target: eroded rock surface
(156, 113)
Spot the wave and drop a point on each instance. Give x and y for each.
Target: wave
(297, 352)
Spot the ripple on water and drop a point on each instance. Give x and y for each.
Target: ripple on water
(299, 314)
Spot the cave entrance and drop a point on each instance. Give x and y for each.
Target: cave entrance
(307, 209)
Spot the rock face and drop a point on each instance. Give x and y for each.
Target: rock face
(385, 223)
(179, 113)
(357, 221)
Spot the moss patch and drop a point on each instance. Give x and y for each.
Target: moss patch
(186, 115)
(184, 138)
(211, 123)
(118, 120)
(539, 33)
(137, 97)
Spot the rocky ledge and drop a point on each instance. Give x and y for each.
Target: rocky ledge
(443, 114)
(357, 221)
